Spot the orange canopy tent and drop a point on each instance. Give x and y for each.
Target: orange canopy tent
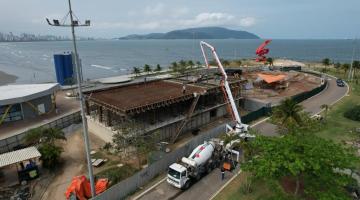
(271, 78)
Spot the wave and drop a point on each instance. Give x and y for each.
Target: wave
(101, 67)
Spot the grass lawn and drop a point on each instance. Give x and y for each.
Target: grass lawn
(234, 190)
(337, 127)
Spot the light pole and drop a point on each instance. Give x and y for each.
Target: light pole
(73, 24)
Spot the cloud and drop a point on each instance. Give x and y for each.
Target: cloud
(206, 19)
(157, 9)
(247, 21)
(159, 22)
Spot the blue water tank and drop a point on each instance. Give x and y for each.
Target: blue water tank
(64, 68)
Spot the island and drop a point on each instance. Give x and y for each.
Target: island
(195, 33)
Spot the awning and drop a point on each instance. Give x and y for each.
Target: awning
(17, 156)
(271, 78)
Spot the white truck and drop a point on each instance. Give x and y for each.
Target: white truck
(203, 159)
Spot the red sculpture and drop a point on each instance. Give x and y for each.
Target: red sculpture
(261, 51)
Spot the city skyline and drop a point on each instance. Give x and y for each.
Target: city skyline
(276, 19)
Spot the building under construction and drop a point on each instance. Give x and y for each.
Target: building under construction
(168, 107)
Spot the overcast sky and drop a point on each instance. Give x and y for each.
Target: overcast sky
(112, 18)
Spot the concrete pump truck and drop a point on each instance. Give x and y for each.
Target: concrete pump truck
(207, 156)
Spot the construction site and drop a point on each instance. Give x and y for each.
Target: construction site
(172, 107)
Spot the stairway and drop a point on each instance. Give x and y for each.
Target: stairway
(187, 118)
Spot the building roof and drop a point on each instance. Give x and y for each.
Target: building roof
(17, 156)
(272, 78)
(143, 96)
(11, 94)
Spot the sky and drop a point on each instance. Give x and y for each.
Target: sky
(276, 19)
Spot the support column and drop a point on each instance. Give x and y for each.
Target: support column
(100, 114)
(109, 122)
(87, 107)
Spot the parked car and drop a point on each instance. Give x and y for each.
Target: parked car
(340, 83)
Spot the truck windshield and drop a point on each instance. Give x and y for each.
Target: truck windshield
(174, 173)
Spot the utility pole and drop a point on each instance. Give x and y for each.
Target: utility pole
(78, 71)
(350, 74)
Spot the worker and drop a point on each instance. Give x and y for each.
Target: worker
(183, 88)
(222, 173)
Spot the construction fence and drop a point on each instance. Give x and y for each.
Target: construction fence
(16, 141)
(124, 188)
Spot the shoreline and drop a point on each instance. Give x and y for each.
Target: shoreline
(7, 78)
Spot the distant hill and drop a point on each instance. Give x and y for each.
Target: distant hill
(196, 33)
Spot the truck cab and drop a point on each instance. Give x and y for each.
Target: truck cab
(178, 176)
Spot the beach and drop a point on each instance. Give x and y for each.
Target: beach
(7, 78)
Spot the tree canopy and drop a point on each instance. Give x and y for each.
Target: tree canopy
(309, 159)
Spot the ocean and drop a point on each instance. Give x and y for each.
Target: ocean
(32, 62)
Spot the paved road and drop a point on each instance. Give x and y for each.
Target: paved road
(207, 186)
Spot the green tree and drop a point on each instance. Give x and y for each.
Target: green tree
(270, 61)
(311, 160)
(345, 67)
(198, 63)
(337, 66)
(190, 63)
(238, 62)
(326, 108)
(356, 67)
(182, 63)
(147, 68)
(326, 62)
(136, 71)
(46, 139)
(158, 68)
(225, 63)
(287, 114)
(174, 66)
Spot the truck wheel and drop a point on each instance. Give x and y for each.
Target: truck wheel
(186, 186)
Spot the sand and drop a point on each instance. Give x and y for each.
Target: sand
(7, 78)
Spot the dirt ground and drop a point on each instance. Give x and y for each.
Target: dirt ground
(74, 164)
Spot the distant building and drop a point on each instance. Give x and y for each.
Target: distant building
(19, 102)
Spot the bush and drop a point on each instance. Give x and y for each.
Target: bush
(117, 174)
(353, 113)
(50, 155)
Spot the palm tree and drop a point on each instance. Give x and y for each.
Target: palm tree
(198, 63)
(190, 63)
(238, 62)
(147, 68)
(345, 67)
(225, 63)
(270, 61)
(158, 68)
(326, 108)
(174, 66)
(182, 63)
(337, 66)
(326, 63)
(288, 113)
(136, 71)
(356, 67)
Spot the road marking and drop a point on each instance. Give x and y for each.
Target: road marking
(149, 189)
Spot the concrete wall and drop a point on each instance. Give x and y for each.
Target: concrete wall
(8, 144)
(253, 104)
(29, 111)
(99, 130)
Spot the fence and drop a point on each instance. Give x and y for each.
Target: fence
(11, 143)
(131, 184)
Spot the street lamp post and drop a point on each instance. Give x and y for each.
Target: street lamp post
(73, 24)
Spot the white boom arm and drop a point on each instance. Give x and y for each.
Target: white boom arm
(239, 126)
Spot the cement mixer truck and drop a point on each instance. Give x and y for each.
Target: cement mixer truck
(202, 160)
